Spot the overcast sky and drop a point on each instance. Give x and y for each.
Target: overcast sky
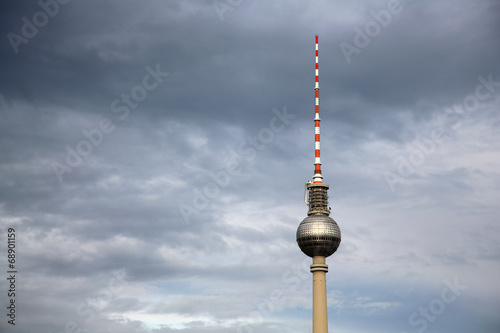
(154, 155)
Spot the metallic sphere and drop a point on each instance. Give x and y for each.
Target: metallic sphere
(318, 235)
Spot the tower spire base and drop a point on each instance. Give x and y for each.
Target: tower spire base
(318, 199)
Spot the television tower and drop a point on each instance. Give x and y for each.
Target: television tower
(318, 235)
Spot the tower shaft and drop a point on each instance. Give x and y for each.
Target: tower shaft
(320, 313)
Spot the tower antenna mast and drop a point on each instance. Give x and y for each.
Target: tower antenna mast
(318, 177)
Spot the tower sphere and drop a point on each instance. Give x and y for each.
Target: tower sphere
(318, 235)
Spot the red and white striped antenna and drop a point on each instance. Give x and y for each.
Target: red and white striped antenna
(317, 178)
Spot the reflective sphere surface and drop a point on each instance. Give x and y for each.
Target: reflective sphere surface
(318, 235)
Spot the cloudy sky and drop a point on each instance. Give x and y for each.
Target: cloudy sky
(154, 155)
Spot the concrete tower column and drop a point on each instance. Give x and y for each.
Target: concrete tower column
(320, 314)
